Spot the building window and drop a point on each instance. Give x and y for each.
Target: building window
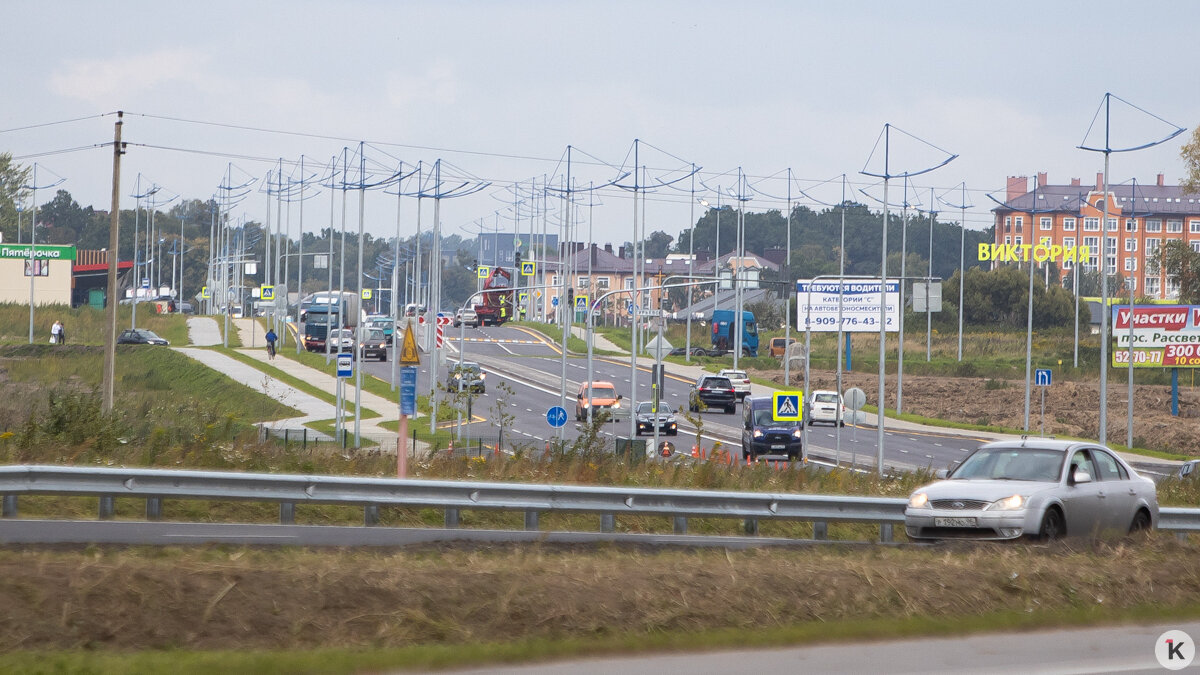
(629, 283)
(1047, 224)
(1008, 223)
(1194, 226)
(1018, 223)
(1196, 246)
(1131, 225)
(1131, 264)
(1091, 224)
(1172, 287)
(1017, 241)
(554, 280)
(1154, 225)
(1069, 224)
(1174, 226)
(1068, 243)
(1130, 245)
(602, 283)
(583, 281)
(1133, 284)
(1007, 240)
(1093, 246)
(1112, 224)
(1151, 286)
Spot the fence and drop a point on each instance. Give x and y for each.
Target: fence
(609, 503)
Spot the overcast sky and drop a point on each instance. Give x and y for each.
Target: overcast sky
(499, 90)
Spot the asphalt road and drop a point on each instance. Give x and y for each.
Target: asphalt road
(1120, 649)
(534, 370)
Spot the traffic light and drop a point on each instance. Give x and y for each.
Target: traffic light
(475, 265)
(517, 258)
(571, 297)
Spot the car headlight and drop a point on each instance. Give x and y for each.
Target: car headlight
(919, 500)
(796, 433)
(757, 433)
(1013, 503)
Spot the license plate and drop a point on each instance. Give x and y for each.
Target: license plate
(954, 522)
(779, 447)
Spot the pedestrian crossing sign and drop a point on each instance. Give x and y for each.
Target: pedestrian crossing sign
(204, 293)
(523, 297)
(528, 269)
(366, 294)
(787, 406)
(483, 272)
(267, 293)
(581, 303)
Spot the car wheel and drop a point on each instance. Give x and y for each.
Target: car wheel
(841, 423)
(1141, 522)
(1052, 525)
(730, 409)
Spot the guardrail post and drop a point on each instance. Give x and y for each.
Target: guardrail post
(451, 518)
(750, 525)
(680, 524)
(287, 513)
(885, 533)
(153, 508)
(371, 515)
(531, 520)
(608, 522)
(820, 529)
(106, 507)
(9, 508)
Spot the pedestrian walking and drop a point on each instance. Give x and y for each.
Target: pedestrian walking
(58, 334)
(271, 337)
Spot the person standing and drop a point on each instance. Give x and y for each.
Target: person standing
(57, 336)
(271, 337)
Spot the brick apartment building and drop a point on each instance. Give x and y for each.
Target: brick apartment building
(1141, 217)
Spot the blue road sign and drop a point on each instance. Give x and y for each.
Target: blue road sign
(554, 301)
(145, 283)
(629, 307)
(408, 390)
(787, 406)
(1042, 377)
(556, 416)
(345, 365)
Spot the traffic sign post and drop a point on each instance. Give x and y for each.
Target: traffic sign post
(1042, 377)
(556, 416)
(408, 406)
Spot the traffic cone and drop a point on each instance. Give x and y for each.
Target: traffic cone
(696, 451)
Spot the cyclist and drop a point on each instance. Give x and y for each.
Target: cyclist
(271, 337)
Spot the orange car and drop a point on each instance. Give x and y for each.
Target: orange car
(604, 395)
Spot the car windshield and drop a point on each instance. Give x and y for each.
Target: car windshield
(1038, 464)
(764, 418)
(375, 335)
(647, 407)
(825, 397)
(602, 392)
(468, 368)
(735, 374)
(716, 383)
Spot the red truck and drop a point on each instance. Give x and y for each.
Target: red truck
(497, 299)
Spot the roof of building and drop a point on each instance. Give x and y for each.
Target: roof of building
(1140, 200)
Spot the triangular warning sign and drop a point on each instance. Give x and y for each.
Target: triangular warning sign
(787, 407)
(409, 355)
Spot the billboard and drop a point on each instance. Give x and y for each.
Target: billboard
(817, 305)
(1163, 336)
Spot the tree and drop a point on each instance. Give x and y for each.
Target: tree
(658, 244)
(1190, 153)
(12, 177)
(1177, 259)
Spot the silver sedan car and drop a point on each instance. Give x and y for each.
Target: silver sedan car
(1035, 487)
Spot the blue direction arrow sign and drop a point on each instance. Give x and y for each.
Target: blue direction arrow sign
(408, 390)
(1042, 377)
(554, 301)
(556, 416)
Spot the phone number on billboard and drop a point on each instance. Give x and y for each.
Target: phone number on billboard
(1171, 356)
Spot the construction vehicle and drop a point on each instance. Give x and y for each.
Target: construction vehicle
(496, 300)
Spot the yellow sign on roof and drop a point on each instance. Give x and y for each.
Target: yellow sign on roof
(409, 355)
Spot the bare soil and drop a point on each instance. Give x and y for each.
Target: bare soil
(1072, 408)
(222, 599)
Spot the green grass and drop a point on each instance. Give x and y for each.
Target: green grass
(369, 383)
(84, 325)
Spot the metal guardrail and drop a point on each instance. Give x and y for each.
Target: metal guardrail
(156, 485)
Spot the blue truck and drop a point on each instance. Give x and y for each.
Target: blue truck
(724, 331)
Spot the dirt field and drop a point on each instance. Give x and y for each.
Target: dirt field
(1072, 408)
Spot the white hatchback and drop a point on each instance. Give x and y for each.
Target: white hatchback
(740, 380)
(826, 406)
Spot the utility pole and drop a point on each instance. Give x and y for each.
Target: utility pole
(110, 314)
